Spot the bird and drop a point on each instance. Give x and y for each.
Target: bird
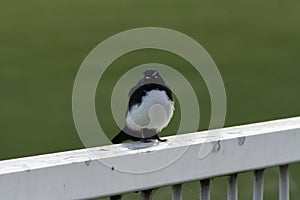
(150, 109)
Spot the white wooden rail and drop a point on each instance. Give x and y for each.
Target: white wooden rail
(117, 169)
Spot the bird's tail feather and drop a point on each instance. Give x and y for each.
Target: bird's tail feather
(122, 136)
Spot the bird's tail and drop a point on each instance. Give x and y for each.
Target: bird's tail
(122, 136)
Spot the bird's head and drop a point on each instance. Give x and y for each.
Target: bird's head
(153, 76)
(149, 76)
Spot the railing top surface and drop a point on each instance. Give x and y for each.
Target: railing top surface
(85, 155)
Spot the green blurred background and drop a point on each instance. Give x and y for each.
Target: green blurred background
(255, 45)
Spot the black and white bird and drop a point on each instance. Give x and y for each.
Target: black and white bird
(150, 109)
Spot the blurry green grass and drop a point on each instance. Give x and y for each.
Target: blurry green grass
(42, 44)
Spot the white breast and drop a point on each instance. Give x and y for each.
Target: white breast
(155, 112)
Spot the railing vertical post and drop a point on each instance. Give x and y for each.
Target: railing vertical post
(177, 192)
(232, 190)
(147, 194)
(284, 182)
(205, 191)
(258, 185)
(117, 197)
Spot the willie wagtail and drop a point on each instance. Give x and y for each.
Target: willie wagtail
(150, 109)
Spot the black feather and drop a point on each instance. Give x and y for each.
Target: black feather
(139, 93)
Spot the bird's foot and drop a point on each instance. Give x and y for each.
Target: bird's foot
(145, 140)
(162, 140)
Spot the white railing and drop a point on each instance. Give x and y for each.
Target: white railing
(117, 169)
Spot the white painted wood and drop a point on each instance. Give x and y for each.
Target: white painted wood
(284, 182)
(130, 167)
(205, 189)
(232, 187)
(258, 184)
(177, 192)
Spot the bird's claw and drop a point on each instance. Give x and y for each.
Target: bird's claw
(162, 140)
(145, 140)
